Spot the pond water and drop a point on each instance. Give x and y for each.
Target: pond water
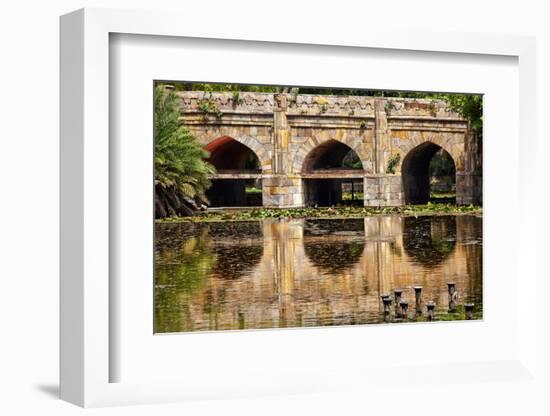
(313, 272)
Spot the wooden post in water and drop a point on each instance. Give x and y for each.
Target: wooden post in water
(387, 303)
(451, 288)
(404, 307)
(418, 299)
(397, 293)
(386, 300)
(430, 306)
(469, 309)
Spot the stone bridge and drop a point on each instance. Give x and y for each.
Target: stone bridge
(296, 145)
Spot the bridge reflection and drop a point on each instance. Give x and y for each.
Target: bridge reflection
(308, 272)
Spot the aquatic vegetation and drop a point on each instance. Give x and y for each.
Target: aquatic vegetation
(330, 212)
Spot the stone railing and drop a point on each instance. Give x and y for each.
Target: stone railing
(226, 102)
(418, 107)
(309, 105)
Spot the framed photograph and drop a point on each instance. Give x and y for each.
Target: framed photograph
(282, 214)
(282, 207)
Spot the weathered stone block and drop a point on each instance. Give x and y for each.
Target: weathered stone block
(277, 190)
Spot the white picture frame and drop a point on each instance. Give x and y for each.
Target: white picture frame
(86, 218)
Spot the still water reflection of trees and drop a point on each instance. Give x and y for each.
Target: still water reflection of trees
(429, 240)
(293, 273)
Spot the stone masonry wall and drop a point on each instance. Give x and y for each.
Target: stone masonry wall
(282, 130)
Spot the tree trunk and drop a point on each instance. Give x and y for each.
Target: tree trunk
(170, 202)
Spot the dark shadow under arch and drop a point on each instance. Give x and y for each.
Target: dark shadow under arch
(333, 168)
(331, 154)
(240, 167)
(415, 172)
(227, 153)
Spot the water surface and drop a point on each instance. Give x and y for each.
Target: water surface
(300, 272)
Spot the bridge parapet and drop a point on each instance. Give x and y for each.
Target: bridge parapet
(219, 103)
(226, 102)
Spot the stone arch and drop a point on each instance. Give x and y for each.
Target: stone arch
(238, 169)
(452, 144)
(415, 172)
(329, 154)
(236, 146)
(354, 143)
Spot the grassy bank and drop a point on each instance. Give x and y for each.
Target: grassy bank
(250, 214)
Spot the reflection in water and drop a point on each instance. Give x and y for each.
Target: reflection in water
(334, 256)
(429, 240)
(230, 261)
(289, 273)
(334, 245)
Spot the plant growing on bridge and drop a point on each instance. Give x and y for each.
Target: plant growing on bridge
(393, 162)
(389, 107)
(181, 173)
(208, 106)
(237, 98)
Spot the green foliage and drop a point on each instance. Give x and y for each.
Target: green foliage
(442, 196)
(393, 163)
(351, 161)
(212, 87)
(469, 106)
(362, 124)
(442, 164)
(209, 107)
(180, 168)
(237, 98)
(357, 196)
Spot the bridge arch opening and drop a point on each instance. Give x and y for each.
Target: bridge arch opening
(331, 155)
(237, 181)
(429, 174)
(333, 175)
